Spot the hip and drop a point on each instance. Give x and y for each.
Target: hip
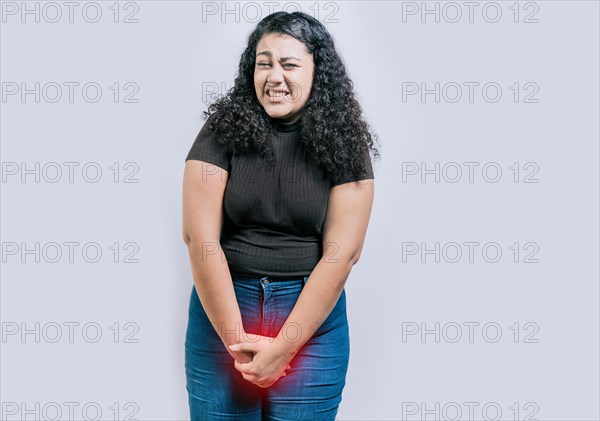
(265, 303)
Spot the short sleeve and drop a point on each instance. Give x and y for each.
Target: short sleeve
(346, 177)
(207, 148)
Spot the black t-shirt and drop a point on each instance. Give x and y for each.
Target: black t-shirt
(273, 214)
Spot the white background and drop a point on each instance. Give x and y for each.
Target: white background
(173, 56)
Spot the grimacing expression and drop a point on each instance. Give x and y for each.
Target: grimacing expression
(283, 76)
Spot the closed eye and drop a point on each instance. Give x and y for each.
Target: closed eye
(267, 64)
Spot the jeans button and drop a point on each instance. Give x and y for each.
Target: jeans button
(266, 281)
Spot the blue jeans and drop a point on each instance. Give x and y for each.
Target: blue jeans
(312, 388)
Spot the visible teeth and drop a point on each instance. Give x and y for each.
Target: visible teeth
(276, 93)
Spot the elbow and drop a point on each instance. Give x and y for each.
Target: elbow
(354, 259)
(193, 236)
(350, 260)
(187, 238)
(199, 243)
(193, 240)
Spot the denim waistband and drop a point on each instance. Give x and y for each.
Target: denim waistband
(270, 278)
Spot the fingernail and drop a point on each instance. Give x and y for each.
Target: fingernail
(234, 347)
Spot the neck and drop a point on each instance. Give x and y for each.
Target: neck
(284, 121)
(285, 126)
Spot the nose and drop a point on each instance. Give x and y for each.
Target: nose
(275, 76)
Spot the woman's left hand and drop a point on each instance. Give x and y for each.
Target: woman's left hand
(269, 363)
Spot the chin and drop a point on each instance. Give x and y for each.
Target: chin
(277, 114)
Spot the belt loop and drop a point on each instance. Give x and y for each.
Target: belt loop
(305, 279)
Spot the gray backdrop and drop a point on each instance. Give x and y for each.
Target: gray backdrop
(476, 295)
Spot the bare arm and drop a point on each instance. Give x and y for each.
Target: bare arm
(344, 232)
(203, 190)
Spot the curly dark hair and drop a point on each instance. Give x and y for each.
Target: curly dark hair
(332, 127)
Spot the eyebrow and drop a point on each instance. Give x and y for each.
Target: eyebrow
(268, 54)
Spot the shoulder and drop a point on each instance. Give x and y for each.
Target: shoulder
(210, 126)
(347, 175)
(209, 147)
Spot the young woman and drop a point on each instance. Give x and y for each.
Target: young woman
(277, 194)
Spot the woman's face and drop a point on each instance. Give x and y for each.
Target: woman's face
(283, 76)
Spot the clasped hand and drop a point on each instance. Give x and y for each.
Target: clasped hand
(268, 363)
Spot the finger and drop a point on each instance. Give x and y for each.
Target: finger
(241, 367)
(242, 346)
(249, 377)
(242, 357)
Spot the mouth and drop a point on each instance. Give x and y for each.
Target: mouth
(277, 93)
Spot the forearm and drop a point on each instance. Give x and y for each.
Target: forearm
(214, 286)
(316, 301)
